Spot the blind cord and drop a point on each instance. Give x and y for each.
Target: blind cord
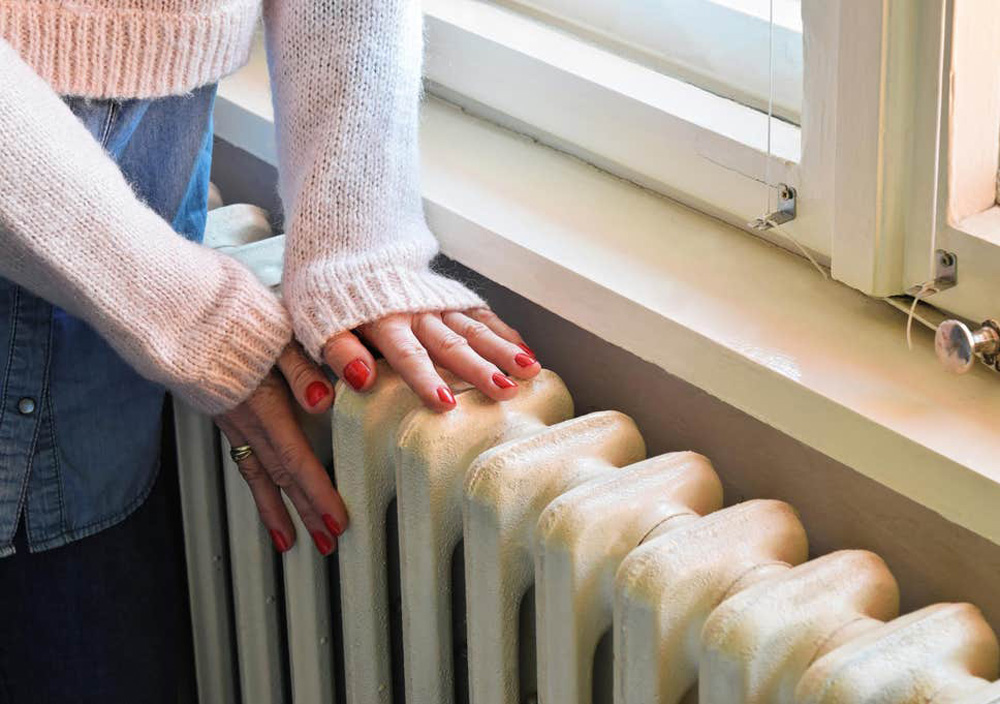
(768, 186)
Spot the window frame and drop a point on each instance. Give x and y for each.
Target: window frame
(884, 186)
(869, 161)
(971, 230)
(542, 82)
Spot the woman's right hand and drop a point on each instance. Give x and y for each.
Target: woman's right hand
(282, 460)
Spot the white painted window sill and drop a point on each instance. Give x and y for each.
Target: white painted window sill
(743, 320)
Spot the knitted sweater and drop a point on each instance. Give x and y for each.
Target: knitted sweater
(346, 77)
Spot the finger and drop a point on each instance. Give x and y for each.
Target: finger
(493, 322)
(308, 383)
(405, 353)
(350, 360)
(324, 539)
(452, 351)
(266, 496)
(290, 460)
(491, 346)
(286, 481)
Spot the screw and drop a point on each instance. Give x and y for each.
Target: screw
(946, 260)
(785, 191)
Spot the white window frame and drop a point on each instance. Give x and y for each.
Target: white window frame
(883, 187)
(869, 161)
(962, 187)
(894, 190)
(708, 152)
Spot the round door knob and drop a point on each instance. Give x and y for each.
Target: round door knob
(957, 346)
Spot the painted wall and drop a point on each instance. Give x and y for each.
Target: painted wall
(933, 559)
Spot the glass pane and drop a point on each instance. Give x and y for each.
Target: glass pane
(722, 46)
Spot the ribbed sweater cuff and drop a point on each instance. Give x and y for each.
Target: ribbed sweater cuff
(243, 344)
(342, 298)
(128, 53)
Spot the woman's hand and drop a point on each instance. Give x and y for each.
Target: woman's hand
(282, 459)
(475, 345)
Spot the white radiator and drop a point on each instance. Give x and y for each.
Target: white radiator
(590, 574)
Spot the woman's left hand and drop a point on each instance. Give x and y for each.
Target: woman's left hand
(475, 345)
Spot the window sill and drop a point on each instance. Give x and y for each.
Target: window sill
(984, 225)
(741, 319)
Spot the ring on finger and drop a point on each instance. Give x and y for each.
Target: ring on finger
(240, 453)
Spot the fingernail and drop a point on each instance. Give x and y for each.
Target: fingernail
(279, 540)
(356, 374)
(502, 381)
(331, 525)
(316, 392)
(446, 396)
(323, 543)
(527, 349)
(524, 360)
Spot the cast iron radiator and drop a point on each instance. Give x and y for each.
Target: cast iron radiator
(511, 552)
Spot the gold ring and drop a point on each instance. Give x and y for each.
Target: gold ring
(240, 453)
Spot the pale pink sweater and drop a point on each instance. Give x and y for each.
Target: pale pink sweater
(346, 77)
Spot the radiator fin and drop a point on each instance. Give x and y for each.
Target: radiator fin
(574, 545)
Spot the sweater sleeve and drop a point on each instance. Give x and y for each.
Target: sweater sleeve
(73, 232)
(346, 88)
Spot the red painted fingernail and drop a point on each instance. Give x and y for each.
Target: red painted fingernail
(316, 392)
(279, 540)
(356, 374)
(527, 349)
(524, 360)
(502, 381)
(446, 396)
(331, 525)
(323, 543)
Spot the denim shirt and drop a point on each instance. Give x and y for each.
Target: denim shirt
(79, 429)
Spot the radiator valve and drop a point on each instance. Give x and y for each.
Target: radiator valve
(958, 347)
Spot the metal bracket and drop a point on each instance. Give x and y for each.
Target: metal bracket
(785, 212)
(945, 274)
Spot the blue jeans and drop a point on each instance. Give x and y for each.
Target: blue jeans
(92, 588)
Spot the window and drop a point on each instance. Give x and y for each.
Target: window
(723, 46)
(544, 74)
(865, 99)
(968, 219)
